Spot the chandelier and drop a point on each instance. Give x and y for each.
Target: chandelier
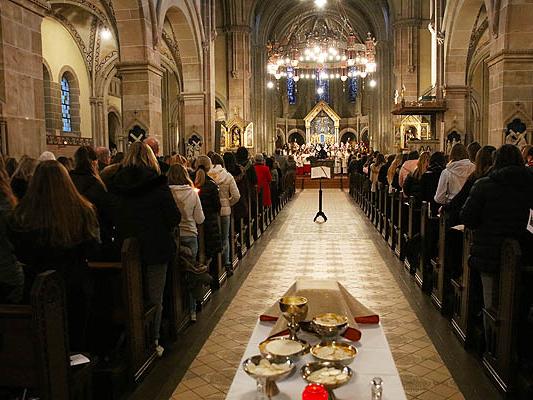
(323, 49)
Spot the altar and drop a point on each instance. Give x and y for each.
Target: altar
(322, 125)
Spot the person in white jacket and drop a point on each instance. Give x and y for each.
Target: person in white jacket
(229, 196)
(455, 175)
(188, 203)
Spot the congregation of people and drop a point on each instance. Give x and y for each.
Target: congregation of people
(485, 190)
(63, 214)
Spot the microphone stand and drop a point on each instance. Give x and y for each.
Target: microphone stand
(320, 213)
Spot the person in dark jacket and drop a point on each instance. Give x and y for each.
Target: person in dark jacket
(483, 161)
(57, 230)
(497, 208)
(147, 211)
(430, 180)
(382, 177)
(86, 178)
(411, 185)
(238, 173)
(210, 199)
(11, 274)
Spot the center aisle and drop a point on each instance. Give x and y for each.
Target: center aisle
(343, 249)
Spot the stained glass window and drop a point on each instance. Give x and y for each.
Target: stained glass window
(322, 87)
(291, 86)
(353, 87)
(65, 105)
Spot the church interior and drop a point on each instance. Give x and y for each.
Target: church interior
(161, 167)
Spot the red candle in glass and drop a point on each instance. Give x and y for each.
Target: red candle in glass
(315, 392)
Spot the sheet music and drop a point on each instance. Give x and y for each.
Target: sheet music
(321, 172)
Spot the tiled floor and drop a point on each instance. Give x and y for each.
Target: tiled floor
(341, 249)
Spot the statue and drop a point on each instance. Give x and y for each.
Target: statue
(236, 137)
(396, 96)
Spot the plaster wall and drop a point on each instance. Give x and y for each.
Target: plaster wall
(60, 51)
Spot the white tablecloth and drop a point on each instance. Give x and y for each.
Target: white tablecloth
(374, 358)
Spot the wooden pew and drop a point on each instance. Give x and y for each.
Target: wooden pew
(176, 305)
(394, 220)
(461, 286)
(403, 226)
(34, 349)
(428, 224)
(138, 317)
(503, 350)
(413, 228)
(441, 273)
(385, 215)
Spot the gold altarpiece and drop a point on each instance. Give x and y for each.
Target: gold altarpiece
(322, 125)
(237, 132)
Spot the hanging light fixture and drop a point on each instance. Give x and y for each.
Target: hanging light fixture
(323, 44)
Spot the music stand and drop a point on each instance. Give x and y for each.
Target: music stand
(320, 173)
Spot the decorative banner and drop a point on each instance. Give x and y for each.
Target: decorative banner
(291, 86)
(353, 88)
(249, 135)
(322, 87)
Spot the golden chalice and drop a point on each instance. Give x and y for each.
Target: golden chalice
(294, 310)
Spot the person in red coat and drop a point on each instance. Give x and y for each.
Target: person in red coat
(263, 179)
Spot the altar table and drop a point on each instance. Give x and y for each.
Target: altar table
(374, 359)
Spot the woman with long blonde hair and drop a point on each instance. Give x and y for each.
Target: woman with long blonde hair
(392, 173)
(54, 227)
(412, 184)
(147, 212)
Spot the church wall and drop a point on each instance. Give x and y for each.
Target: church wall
(221, 67)
(60, 53)
(22, 92)
(424, 61)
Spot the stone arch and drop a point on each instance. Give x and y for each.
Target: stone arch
(73, 102)
(180, 21)
(348, 133)
(114, 127)
(296, 135)
(135, 24)
(461, 20)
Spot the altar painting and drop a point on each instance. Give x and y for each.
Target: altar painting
(322, 125)
(414, 127)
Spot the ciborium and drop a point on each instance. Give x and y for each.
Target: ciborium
(294, 310)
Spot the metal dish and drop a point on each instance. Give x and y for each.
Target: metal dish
(308, 369)
(263, 348)
(266, 384)
(350, 351)
(330, 325)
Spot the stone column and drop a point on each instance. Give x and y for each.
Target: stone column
(456, 101)
(406, 32)
(141, 97)
(21, 76)
(193, 111)
(239, 74)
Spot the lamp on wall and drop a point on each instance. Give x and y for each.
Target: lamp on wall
(106, 33)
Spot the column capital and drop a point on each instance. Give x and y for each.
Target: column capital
(134, 67)
(192, 96)
(515, 55)
(237, 29)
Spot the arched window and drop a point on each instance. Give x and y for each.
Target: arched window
(65, 105)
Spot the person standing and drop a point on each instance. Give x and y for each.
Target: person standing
(229, 196)
(264, 178)
(408, 166)
(497, 208)
(147, 211)
(22, 176)
(57, 230)
(104, 157)
(455, 175)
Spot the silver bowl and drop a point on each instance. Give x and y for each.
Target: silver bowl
(263, 348)
(266, 384)
(347, 348)
(330, 325)
(308, 369)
